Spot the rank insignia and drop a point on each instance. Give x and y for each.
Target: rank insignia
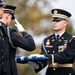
(52, 37)
(62, 37)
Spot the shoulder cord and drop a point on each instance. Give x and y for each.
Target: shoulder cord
(44, 48)
(8, 33)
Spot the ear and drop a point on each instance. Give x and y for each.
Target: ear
(65, 23)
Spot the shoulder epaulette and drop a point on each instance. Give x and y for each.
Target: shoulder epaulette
(71, 38)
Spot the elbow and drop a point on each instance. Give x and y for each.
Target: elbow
(33, 47)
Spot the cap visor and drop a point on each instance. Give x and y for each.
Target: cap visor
(58, 19)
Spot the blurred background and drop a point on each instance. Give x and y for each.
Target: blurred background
(35, 16)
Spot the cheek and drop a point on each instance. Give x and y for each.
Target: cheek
(1, 12)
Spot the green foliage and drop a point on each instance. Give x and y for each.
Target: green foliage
(69, 28)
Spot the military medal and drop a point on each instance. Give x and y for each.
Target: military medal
(65, 43)
(59, 49)
(48, 42)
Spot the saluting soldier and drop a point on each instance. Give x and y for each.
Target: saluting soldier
(2, 5)
(8, 50)
(59, 47)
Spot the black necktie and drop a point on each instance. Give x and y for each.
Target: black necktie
(57, 37)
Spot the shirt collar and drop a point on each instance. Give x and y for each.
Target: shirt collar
(59, 34)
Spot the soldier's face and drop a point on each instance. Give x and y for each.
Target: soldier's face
(1, 11)
(9, 19)
(59, 25)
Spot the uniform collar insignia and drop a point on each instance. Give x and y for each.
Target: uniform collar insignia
(62, 37)
(59, 40)
(52, 37)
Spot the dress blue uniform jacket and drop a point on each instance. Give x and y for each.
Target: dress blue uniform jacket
(63, 51)
(7, 53)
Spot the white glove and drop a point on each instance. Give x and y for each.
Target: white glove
(19, 27)
(33, 65)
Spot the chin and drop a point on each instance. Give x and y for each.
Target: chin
(55, 29)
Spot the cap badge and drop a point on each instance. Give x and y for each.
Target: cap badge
(55, 11)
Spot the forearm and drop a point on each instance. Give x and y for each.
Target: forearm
(26, 41)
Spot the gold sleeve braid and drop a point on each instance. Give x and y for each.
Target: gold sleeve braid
(26, 35)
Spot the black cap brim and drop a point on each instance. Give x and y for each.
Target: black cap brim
(58, 19)
(13, 17)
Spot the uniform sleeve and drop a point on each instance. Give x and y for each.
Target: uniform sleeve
(25, 41)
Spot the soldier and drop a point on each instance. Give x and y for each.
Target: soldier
(2, 5)
(7, 52)
(58, 47)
